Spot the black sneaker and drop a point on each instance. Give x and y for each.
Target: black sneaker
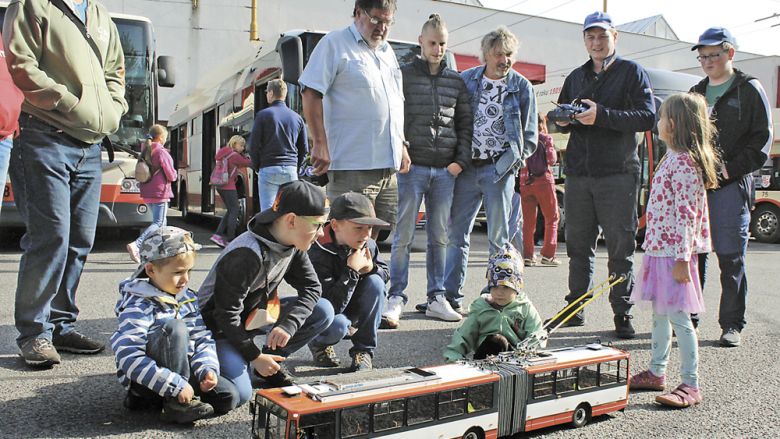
(176, 412)
(730, 338)
(623, 327)
(361, 361)
(136, 402)
(325, 357)
(77, 343)
(39, 352)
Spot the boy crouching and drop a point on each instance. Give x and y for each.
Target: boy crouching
(165, 355)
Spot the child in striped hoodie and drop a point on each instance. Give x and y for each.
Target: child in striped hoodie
(165, 355)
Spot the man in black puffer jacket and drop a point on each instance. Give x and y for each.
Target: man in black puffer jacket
(438, 125)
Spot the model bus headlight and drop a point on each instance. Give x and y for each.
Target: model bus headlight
(130, 186)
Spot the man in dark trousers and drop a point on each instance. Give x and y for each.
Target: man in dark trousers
(602, 166)
(740, 110)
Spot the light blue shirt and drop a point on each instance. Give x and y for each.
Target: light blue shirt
(81, 10)
(363, 100)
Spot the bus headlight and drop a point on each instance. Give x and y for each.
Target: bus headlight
(142, 209)
(130, 186)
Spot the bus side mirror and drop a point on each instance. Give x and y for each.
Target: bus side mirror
(290, 49)
(166, 76)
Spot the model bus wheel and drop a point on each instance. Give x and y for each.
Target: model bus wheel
(765, 223)
(581, 416)
(474, 433)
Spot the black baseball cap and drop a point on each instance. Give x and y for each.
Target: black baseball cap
(298, 197)
(357, 208)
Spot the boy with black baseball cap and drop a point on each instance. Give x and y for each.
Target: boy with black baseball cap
(238, 298)
(354, 280)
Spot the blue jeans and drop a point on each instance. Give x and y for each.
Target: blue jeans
(227, 225)
(363, 312)
(5, 157)
(473, 187)
(56, 182)
(167, 346)
(238, 370)
(159, 218)
(729, 209)
(269, 179)
(609, 202)
(437, 185)
(516, 223)
(687, 342)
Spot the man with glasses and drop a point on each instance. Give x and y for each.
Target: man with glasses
(740, 110)
(602, 165)
(353, 102)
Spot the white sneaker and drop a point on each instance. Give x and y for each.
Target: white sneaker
(441, 309)
(391, 317)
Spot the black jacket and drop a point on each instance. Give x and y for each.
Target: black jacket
(744, 123)
(625, 107)
(437, 116)
(226, 313)
(337, 279)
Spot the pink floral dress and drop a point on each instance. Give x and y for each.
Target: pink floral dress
(678, 229)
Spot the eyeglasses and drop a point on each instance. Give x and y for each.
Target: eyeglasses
(376, 21)
(713, 57)
(313, 222)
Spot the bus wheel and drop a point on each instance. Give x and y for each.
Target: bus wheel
(474, 433)
(581, 416)
(765, 223)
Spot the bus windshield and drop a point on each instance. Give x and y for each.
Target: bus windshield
(136, 38)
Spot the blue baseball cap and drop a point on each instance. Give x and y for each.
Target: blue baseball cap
(598, 19)
(715, 36)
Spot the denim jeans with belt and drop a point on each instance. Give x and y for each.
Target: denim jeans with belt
(608, 202)
(474, 186)
(436, 185)
(56, 182)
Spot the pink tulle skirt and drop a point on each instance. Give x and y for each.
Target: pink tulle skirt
(655, 285)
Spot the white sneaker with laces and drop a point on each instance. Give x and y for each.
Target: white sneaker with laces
(391, 317)
(441, 309)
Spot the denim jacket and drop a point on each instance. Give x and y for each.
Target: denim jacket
(519, 117)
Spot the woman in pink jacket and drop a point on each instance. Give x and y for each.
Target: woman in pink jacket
(234, 151)
(156, 192)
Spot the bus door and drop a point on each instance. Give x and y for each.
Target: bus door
(512, 399)
(209, 150)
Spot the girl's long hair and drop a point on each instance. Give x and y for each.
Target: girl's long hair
(692, 131)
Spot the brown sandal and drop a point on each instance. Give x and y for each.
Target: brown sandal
(681, 397)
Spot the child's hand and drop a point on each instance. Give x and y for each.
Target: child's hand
(186, 394)
(681, 272)
(360, 260)
(209, 382)
(266, 364)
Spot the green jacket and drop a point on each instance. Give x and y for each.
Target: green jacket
(516, 321)
(57, 70)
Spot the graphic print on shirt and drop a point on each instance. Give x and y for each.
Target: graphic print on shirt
(489, 138)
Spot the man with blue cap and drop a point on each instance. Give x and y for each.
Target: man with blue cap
(740, 110)
(602, 166)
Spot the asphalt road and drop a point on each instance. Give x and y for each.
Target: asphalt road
(82, 398)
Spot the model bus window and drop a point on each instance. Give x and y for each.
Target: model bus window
(566, 381)
(354, 421)
(421, 409)
(588, 376)
(612, 372)
(271, 421)
(318, 425)
(389, 414)
(480, 398)
(543, 384)
(452, 403)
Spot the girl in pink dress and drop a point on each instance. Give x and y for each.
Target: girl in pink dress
(677, 231)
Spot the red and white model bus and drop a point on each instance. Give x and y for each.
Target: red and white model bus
(494, 398)
(120, 202)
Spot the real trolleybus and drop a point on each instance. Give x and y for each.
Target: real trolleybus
(120, 202)
(498, 397)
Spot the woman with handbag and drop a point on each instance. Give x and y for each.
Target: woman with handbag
(156, 192)
(233, 156)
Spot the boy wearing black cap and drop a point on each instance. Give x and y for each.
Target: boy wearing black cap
(238, 297)
(740, 110)
(353, 279)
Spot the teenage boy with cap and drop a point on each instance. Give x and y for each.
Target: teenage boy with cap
(740, 110)
(602, 165)
(165, 356)
(238, 297)
(353, 279)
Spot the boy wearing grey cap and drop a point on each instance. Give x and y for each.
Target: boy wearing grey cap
(354, 279)
(165, 356)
